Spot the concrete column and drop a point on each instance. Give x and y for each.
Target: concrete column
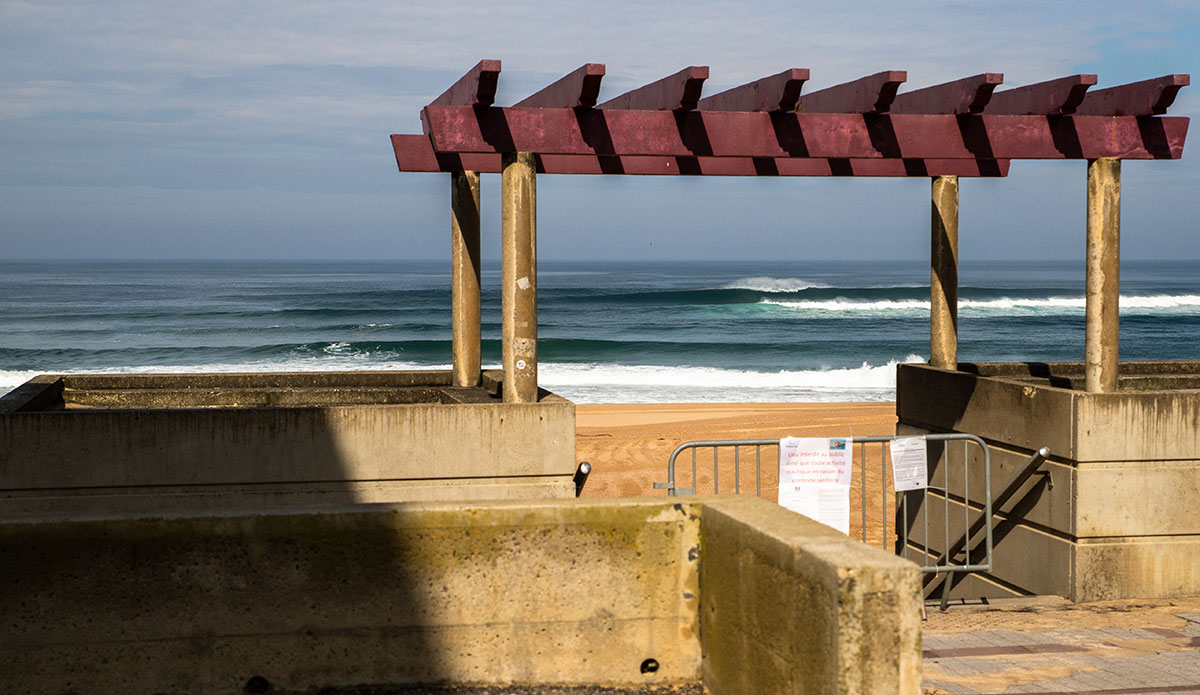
(464, 280)
(943, 274)
(518, 193)
(1103, 269)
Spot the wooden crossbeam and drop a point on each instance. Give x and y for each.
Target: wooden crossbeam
(871, 94)
(414, 153)
(476, 88)
(578, 89)
(1145, 98)
(1050, 98)
(678, 92)
(821, 135)
(968, 95)
(775, 93)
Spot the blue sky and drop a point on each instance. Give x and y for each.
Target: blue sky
(260, 130)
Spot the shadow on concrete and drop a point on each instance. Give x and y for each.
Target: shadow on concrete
(201, 524)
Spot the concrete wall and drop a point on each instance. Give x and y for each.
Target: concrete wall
(1114, 517)
(789, 605)
(146, 443)
(737, 592)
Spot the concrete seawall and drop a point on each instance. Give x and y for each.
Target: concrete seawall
(736, 593)
(163, 443)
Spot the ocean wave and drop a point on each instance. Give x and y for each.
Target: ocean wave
(772, 285)
(1130, 305)
(602, 383)
(865, 376)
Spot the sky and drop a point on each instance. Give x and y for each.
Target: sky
(259, 130)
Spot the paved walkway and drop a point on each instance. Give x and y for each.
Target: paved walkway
(1053, 646)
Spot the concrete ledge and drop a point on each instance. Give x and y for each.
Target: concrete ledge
(1162, 567)
(135, 441)
(791, 606)
(1108, 494)
(1030, 405)
(552, 592)
(1113, 519)
(122, 501)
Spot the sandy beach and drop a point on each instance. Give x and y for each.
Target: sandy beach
(629, 445)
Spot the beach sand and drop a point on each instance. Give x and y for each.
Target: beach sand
(629, 447)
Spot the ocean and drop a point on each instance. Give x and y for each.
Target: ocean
(609, 331)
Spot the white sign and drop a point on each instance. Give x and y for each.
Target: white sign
(910, 465)
(814, 478)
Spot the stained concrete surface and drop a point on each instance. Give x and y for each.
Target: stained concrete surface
(606, 592)
(689, 689)
(1050, 645)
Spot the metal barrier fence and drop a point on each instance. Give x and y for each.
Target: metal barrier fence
(913, 532)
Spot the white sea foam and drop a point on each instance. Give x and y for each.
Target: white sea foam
(770, 284)
(11, 380)
(845, 305)
(603, 383)
(600, 383)
(1130, 305)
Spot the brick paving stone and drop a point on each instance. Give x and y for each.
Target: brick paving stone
(1117, 647)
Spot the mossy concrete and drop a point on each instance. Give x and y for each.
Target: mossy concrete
(738, 594)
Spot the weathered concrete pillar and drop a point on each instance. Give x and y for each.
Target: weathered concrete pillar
(518, 193)
(943, 274)
(464, 282)
(1103, 269)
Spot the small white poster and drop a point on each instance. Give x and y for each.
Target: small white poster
(814, 478)
(910, 465)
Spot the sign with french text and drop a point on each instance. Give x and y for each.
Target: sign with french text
(814, 478)
(910, 464)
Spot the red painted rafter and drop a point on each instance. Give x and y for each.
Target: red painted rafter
(476, 88)
(968, 95)
(1145, 98)
(820, 135)
(414, 153)
(578, 89)
(775, 93)
(1049, 98)
(871, 94)
(678, 92)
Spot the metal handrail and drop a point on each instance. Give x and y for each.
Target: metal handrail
(1007, 491)
(673, 490)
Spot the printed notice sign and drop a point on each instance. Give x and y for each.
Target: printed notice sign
(910, 466)
(814, 478)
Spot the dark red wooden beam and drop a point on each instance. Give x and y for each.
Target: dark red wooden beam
(476, 88)
(414, 153)
(821, 135)
(678, 92)
(578, 89)
(1051, 98)
(1145, 98)
(968, 95)
(871, 94)
(775, 93)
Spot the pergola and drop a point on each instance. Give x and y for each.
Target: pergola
(770, 127)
